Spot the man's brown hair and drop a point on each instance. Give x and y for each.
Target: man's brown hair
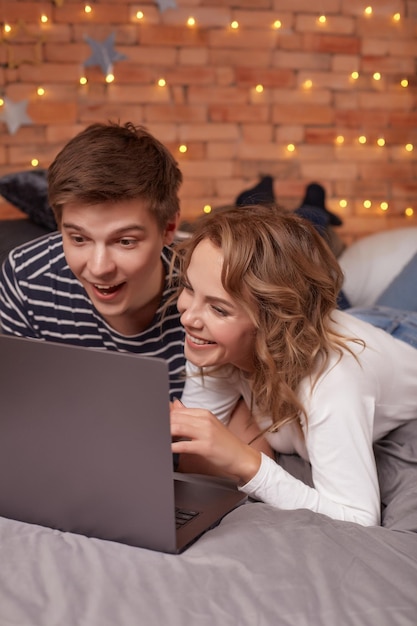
(111, 163)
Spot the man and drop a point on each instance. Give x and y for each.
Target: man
(101, 281)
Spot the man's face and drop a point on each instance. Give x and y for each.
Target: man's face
(114, 251)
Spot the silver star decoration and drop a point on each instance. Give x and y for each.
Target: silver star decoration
(166, 4)
(14, 114)
(104, 54)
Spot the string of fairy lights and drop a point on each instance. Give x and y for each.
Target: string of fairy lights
(9, 31)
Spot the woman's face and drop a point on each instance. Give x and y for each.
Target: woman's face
(218, 330)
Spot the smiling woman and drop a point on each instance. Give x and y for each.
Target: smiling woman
(258, 303)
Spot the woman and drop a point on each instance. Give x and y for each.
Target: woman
(258, 304)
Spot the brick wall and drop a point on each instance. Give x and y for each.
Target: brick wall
(233, 133)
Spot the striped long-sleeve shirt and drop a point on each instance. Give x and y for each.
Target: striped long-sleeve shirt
(41, 298)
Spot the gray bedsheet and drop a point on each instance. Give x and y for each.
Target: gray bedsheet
(260, 566)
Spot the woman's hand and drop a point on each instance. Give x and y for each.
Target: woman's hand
(199, 432)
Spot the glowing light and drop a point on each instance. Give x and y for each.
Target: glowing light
(343, 203)
(404, 82)
(322, 19)
(409, 147)
(409, 212)
(355, 75)
(44, 19)
(396, 17)
(207, 208)
(277, 24)
(308, 84)
(109, 78)
(191, 21)
(340, 140)
(367, 204)
(162, 82)
(88, 8)
(7, 28)
(1, 102)
(140, 15)
(34, 162)
(83, 80)
(376, 76)
(368, 11)
(380, 141)
(291, 147)
(40, 91)
(384, 206)
(362, 139)
(182, 148)
(259, 88)
(234, 25)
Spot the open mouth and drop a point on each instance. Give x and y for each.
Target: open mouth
(199, 342)
(107, 290)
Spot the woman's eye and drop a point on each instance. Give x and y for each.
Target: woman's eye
(220, 311)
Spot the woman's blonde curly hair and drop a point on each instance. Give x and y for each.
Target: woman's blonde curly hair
(279, 269)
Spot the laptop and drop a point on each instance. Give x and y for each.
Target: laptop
(85, 447)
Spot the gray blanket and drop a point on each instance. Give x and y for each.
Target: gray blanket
(260, 566)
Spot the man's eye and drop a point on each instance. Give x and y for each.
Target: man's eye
(126, 242)
(77, 238)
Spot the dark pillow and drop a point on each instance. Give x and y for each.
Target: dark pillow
(28, 191)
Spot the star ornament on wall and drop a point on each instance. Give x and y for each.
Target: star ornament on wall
(14, 114)
(103, 54)
(166, 4)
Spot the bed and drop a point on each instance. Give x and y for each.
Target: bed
(258, 566)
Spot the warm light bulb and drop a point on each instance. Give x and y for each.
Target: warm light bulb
(409, 147)
(343, 203)
(234, 25)
(355, 75)
(362, 139)
(376, 76)
(162, 82)
(1, 102)
(404, 82)
(384, 206)
(409, 212)
(87, 8)
(380, 141)
(291, 147)
(367, 204)
(191, 21)
(7, 28)
(34, 162)
(83, 80)
(259, 88)
(139, 15)
(340, 139)
(322, 19)
(368, 11)
(182, 148)
(308, 84)
(44, 19)
(277, 24)
(396, 17)
(207, 208)
(40, 91)
(109, 78)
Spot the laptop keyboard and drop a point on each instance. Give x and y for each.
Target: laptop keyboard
(183, 516)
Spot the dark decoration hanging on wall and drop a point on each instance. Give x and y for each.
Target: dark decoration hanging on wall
(103, 54)
(14, 115)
